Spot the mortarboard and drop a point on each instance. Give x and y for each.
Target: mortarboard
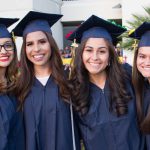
(142, 33)
(36, 21)
(98, 28)
(4, 24)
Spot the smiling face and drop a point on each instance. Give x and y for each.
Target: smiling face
(7, 53)
(143, 62)
(38, 49)
(95, 56)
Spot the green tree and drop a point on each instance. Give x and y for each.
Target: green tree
(129, 43)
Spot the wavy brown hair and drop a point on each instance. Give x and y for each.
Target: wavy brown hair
(138, 83)
(11, 74)
(25, 81)
(81, 83)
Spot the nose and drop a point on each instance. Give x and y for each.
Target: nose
(37, 48)
(94, 56)
(3, 51)
(147, 62)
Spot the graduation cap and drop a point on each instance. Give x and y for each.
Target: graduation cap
(97, 28)
(4, 24)
(142, 33)
(36, 21)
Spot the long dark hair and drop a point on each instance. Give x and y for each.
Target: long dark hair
(81, 83)
(26, 79)
(11, 74)
(138, 83)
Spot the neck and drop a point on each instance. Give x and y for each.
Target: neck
(99, 79)
(41, 71)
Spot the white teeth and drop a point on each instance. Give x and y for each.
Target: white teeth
(94, 64)
(3, 58)
(38, 56)
(146, 68)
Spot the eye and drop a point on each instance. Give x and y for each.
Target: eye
(102, 50)
(43, 41)
(29, 44)
(9, 46)
(141, 56)
(88, 50)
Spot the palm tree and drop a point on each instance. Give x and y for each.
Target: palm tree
(129, 43)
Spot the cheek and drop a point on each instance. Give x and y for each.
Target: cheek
(138, 62)
(106, 59)
(48, 49)
(12, 54)
(84, 58)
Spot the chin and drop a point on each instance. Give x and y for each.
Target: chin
(146, 75)
(94, 72)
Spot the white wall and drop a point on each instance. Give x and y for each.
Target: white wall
(15, 5)
(17, 9)
(82, 9)
(130, 7)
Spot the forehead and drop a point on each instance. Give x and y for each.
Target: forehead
(96, 41)
(35, 35)
(144, 50)
(5, 39)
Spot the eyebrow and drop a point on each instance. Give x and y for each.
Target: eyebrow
(38, 40)
(7, 41)
(140, 53)
(98, 47)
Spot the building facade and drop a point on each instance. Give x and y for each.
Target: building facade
(74, 12)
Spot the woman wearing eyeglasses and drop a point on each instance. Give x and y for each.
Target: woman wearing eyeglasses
(11, 127)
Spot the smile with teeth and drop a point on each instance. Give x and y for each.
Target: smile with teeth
(94, 64)
(38, 57)
(4, 58)
(146, 68)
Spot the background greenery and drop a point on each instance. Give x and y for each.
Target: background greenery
(138, 19)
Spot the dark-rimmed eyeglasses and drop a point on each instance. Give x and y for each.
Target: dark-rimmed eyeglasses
(7, 46)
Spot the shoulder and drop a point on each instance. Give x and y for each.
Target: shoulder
(8, 106)
(128, 70)
(127, 66)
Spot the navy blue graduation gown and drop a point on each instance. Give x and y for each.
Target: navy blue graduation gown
(47, 119)
(103, 130)
(128, 69)
(11, 125)
(146, 108)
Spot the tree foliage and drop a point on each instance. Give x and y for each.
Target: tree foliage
(138, 19)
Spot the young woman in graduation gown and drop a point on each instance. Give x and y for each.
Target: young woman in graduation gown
(11, 121)
(42, 87)
(141, 79)
(102, 95)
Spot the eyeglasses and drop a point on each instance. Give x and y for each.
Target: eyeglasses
(7, 47)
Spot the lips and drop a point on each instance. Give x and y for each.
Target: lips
(94, 64)
(146, 68)
(4, 58)
(38, 57)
